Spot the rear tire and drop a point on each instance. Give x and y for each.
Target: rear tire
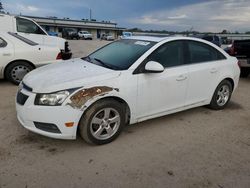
(103, 122)
(222, 96)
(17, 70)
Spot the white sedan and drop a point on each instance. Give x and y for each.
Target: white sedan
(125, 82)
(19, 55)
(85, 35)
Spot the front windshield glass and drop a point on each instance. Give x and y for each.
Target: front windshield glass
(120, 55)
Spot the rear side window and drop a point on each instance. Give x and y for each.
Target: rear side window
(200, 52)
(3, 43)
(27, 26)
(169, 54)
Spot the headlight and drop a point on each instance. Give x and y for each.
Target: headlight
(51, 99)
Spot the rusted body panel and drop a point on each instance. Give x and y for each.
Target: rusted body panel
(82, 96)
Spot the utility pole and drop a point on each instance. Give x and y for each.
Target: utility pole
(90, 14)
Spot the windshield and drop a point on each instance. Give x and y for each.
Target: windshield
(120, 55)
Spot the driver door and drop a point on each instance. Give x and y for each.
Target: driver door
(161, 93)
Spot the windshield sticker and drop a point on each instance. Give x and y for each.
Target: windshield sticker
(142, 43)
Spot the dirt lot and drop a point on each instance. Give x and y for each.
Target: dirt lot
(195, 148)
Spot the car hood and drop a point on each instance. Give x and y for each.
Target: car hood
(66, 75)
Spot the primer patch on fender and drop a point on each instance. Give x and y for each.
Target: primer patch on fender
(82, 96)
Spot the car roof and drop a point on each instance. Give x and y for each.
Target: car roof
(147, 38)
(159, 39)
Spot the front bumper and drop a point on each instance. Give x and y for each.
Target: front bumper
(29, 114)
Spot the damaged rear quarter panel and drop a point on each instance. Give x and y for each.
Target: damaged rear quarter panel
(82, 96)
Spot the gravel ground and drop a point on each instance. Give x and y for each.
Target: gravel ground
(194, 148)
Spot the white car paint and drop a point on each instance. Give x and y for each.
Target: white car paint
(85, 34)
(184, 88)
(16, 50)
(8, 23)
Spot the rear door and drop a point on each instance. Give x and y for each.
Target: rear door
(204, 69)
(6, 53)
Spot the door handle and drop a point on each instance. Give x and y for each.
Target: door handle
(181, 78)
(213, 70)
(7, 54)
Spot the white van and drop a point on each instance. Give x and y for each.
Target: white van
(29, 29)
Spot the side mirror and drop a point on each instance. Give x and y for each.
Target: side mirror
(153, 67)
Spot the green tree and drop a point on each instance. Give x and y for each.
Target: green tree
(1, 7)
(224, 31)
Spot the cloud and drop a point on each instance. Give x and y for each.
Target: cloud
(32, 8)
(28, 9)
(214, 16)
(177, 17)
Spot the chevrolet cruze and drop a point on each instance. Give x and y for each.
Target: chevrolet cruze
(125, 82)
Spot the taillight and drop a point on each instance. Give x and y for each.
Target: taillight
(59, 56)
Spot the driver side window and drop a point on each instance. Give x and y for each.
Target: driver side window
(169, 54)
(27, 26)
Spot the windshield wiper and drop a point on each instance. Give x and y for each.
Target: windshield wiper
(104, 64)
(87, 58)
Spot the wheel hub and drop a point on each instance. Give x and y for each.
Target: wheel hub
(105, 123)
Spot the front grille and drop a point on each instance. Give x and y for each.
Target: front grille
(21, 98)
(48, 127)
(27, 87)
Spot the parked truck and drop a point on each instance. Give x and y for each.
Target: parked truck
(241, 50)
(29, 29)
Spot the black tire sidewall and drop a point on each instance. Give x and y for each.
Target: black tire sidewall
(10, 68)
(87, 117)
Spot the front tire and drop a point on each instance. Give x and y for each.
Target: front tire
(17, 70)
(103, 122)
(222, 95)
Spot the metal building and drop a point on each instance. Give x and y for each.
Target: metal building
(96, 28)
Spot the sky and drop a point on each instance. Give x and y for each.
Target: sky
(171, 15)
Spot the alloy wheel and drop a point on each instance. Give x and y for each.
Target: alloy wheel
(105, 123)
(223, 95)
